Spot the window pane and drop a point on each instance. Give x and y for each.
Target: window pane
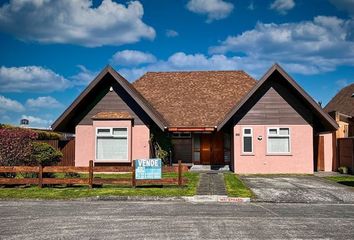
(196, 156)
(273, 131)
(105, 131)
(196, 142)
(247, 144)
(120, 131)
(247, 131)
(278, 145)
(284, 131)
(109, 148)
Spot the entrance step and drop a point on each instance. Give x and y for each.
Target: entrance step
(211, 184)
(210, 168)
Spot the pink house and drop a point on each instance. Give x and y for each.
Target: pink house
(200, 117)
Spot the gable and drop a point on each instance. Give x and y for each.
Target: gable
(343, 101)
(293, 95)
(97, 97)
(116, 100)
(272, 108)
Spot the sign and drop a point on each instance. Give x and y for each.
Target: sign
(147, 169)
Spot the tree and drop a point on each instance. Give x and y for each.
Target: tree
(44, 154)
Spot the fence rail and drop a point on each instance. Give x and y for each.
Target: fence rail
(90, 180)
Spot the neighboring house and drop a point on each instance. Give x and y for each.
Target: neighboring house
(213, 117)
(341, 108)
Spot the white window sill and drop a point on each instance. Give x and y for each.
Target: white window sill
(112, 161)
(278, 154)
(247, 154)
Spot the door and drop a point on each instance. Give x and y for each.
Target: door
(218, 149)
(205, 148)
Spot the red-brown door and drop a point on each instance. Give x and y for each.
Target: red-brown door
(205, 148)
(218, 149)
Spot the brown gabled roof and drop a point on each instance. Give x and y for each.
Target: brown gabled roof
(196, 98)
(112, 115)
(343, 102)
(60, 123)
(276, 68)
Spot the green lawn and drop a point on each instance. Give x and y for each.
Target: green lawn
(63, 192)
(345, 180)
(235, 187)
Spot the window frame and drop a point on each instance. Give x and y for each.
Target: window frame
(110, 135)
(243, 142)
(278, 136)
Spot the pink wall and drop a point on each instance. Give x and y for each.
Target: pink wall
(300, 159)
(85, 141)
(141, 136)
(328, 152)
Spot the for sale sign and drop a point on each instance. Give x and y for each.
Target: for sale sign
(148, 169)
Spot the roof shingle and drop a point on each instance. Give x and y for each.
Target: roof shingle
(343, 102)
(196, 98)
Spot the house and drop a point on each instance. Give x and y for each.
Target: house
(341, 108)
(211, 117)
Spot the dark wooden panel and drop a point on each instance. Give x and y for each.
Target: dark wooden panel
(111, 102)
(272, 108)
(218, 148)
(182, 150)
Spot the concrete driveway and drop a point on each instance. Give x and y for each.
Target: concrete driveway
(298, 189)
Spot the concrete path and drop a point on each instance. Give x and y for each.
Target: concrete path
(173, 220)
(211, 184)
(298, 189)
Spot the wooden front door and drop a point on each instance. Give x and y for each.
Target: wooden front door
(218, 149)
(205, 149)
(212, 149)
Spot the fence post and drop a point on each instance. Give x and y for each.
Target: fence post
(133, 175)
(179, 173)
(40, 176)
(90, 180)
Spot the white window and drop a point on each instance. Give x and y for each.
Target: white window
(278, 140)
(247, 140)
(112, 144)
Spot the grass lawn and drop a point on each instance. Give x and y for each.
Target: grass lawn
(235, 187)
(63, 192)
(345, 180)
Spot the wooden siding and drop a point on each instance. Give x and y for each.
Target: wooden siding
(346, 153)
(111, 102)
(272, 108)
(182, 150)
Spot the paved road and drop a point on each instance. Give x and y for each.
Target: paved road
(298, 189)
(173, 220)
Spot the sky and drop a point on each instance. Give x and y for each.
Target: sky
(51, 49)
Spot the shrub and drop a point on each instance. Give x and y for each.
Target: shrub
(44, 154)
(47, 135)
(16, 146)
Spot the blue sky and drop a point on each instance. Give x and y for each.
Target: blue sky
(50, 50)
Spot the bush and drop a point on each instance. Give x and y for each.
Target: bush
(44, 154)
(16, 146)
(47, 135)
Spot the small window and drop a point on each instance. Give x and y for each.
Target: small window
(181, 135)
(247, 140)
(278, 140)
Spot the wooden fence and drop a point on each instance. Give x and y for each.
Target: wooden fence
(91, 180)
(346, 153)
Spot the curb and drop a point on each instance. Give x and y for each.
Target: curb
(216, 199)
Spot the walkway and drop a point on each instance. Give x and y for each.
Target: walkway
(211, 183)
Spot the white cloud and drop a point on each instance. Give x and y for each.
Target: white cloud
(214, 9)
(43, 102)
(251, 6)
(282, 6)
(9, 105)
(31, 78)
(171, 33)
(84, 77)
(181, 61)
(307, 47)
(132, 58)
(341, 83)
(345, 5)
(37, 121)
(75, 22)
